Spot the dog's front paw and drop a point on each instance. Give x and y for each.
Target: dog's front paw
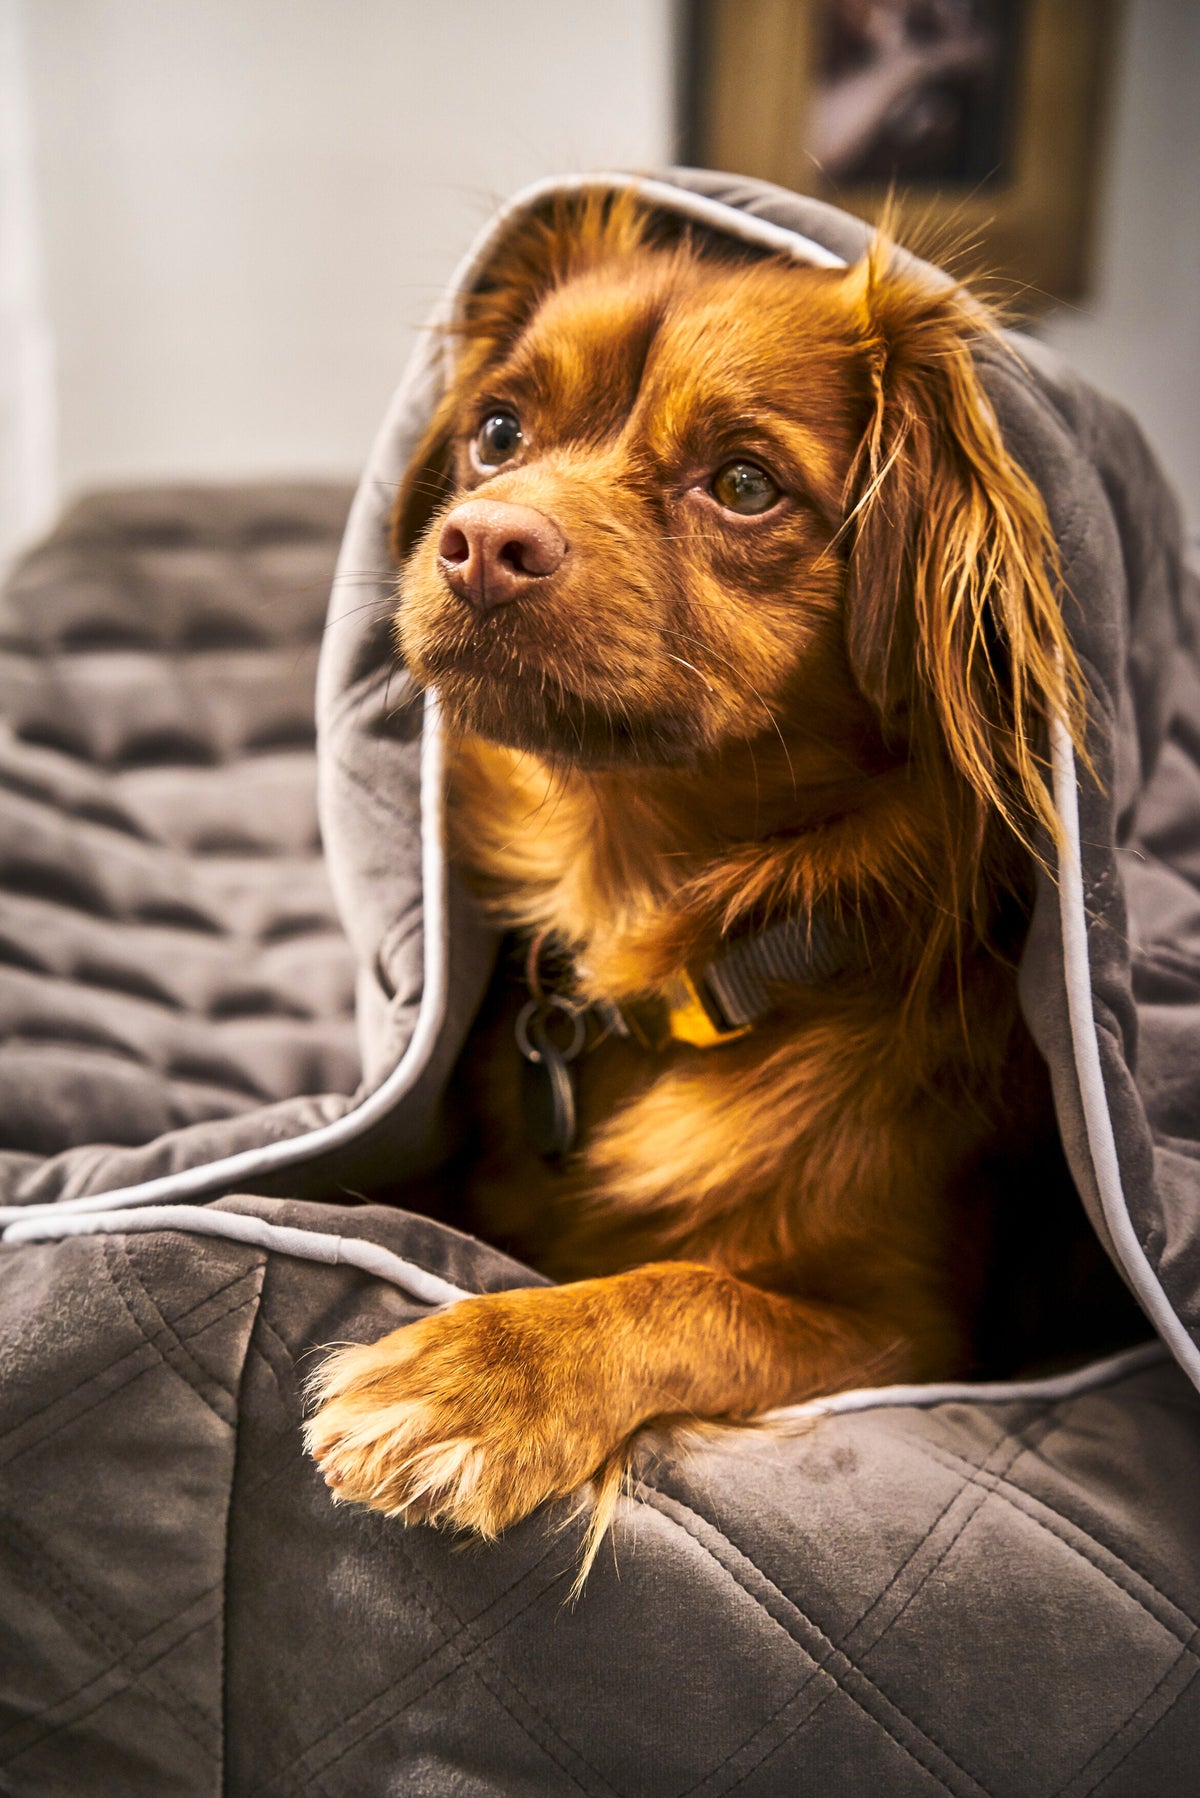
(471, 1417)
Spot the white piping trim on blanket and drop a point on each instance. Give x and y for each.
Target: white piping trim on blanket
(238, 1226)
(727, 219)
(430, 1289)
(1085, 1044)
(1049, 1388)
(225, 1173)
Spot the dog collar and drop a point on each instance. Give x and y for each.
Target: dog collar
(719, 1003)
(728, 996)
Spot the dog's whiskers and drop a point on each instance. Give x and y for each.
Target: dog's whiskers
(692, 666)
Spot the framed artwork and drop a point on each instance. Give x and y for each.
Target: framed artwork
(981, 117)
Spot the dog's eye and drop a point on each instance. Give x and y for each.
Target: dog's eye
(498, 441)
(744, 487)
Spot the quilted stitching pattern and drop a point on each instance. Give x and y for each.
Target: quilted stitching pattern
(116, 1458)
(168, 945)
(973, 1599)
(968, 1600)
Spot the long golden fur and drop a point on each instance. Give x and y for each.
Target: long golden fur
(696, 722)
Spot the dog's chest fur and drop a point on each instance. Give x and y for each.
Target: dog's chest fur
(809, 1154)
(695, 687)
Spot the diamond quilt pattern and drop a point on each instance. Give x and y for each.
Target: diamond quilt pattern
(116, 1456)
(966, 1599)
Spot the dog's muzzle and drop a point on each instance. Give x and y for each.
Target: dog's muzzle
(491, 552)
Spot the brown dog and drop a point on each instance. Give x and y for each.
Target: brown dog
(747, 629)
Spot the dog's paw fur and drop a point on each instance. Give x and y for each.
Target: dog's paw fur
(470, 1418)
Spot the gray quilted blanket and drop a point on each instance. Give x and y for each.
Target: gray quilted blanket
(225, 1038)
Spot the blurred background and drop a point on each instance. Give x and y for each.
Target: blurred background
(222, 221)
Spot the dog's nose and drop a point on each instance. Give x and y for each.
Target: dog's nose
(492, 552)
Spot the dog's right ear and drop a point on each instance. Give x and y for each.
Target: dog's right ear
(491, 319)
(428, 481)
(563, 238)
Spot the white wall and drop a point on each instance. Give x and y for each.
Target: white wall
(1138, 338)
(28, 462)
(247, 206)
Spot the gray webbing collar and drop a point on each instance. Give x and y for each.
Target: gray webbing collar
(744, 982)
(712, 1004)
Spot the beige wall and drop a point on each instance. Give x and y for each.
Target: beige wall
(247, 206)
(1138, 336)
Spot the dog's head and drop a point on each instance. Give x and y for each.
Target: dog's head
(681, 496)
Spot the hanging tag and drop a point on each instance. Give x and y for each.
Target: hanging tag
(548, 1103)
(547, 1080)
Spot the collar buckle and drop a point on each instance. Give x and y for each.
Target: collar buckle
(694, 1017)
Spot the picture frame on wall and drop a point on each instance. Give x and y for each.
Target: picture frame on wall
(979, 120)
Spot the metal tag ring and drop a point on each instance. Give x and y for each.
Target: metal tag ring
(531, 1010)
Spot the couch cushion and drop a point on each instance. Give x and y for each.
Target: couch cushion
(169, 950)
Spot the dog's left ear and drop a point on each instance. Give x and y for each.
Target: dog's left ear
(954, 622)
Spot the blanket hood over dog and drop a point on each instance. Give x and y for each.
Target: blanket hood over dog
(968, 1589)
(1111, 976)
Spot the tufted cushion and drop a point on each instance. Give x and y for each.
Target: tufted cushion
(169, 951)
